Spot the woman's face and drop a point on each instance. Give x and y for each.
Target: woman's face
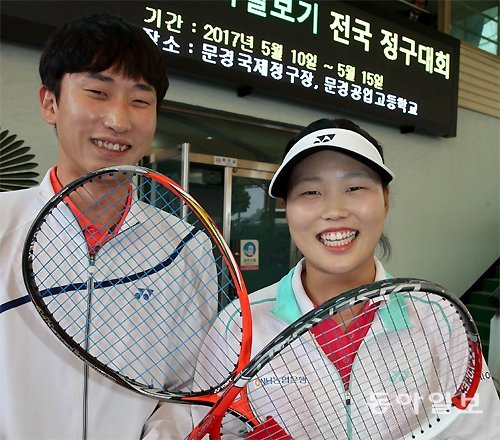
(336, 208)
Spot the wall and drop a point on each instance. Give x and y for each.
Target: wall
(19, 105)
(444, 221)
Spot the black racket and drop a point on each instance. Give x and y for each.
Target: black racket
(130, 272)
(416, 364)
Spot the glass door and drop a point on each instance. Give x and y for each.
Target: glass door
(259, 233)
(234, 193)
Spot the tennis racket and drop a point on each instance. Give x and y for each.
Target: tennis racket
(396, 359)
(130, 272)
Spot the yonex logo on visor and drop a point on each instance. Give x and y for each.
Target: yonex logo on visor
(322, 139)
(345, 141)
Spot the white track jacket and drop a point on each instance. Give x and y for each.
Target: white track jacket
(41, 381)
(273, 309)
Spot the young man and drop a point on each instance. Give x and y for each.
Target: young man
(103, 81)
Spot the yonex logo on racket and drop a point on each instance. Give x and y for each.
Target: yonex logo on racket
(144, 294)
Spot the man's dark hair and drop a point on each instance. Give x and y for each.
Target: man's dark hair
(97, 42)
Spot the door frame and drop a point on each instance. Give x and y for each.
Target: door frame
(233, 167)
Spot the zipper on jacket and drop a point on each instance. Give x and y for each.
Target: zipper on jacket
(90, 289)
(348, 401)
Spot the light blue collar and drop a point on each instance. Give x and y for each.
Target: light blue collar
(394, 315)
(286, 307)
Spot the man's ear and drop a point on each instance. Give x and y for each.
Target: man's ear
(48, 105)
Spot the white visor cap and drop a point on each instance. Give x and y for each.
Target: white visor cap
(339, 139)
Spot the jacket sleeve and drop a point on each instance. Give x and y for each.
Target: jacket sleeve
(481, 419)
(170, 421)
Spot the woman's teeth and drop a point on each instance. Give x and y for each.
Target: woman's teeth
(337, 238)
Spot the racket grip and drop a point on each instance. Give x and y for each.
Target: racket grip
(269, 430)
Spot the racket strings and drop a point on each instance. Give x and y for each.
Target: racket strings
(366, 331)
(422, 354)
(432, 332)
(404, 421)
(451, 352)
(455, 346)
(284, 403)
(147, 330)
(396, 373)
(156, 292)
(41, 251)
(291, 410)
(145, 363)
(338, 352)
(359, 426)
(401, 367)
(326, 421)
(224, 286)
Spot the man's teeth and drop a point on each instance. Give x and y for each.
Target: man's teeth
(110, 146)
(338, 238)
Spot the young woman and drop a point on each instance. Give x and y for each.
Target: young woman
(336, 187)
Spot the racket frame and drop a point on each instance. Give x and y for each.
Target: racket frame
(46, 315)
(211, 423)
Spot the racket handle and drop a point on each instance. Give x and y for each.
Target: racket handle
(269, 430)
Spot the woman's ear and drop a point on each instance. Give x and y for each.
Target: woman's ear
(48, 105)
(386, 199)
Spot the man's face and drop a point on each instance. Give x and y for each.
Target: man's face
(102, 119)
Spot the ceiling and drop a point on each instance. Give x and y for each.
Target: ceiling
(222, 134)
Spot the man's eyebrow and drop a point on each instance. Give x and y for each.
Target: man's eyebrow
(100, 77)
(144, 87)
(108, 79)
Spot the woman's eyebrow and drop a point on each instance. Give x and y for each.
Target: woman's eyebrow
(357, 175)
(305, 179)
(343, 175)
